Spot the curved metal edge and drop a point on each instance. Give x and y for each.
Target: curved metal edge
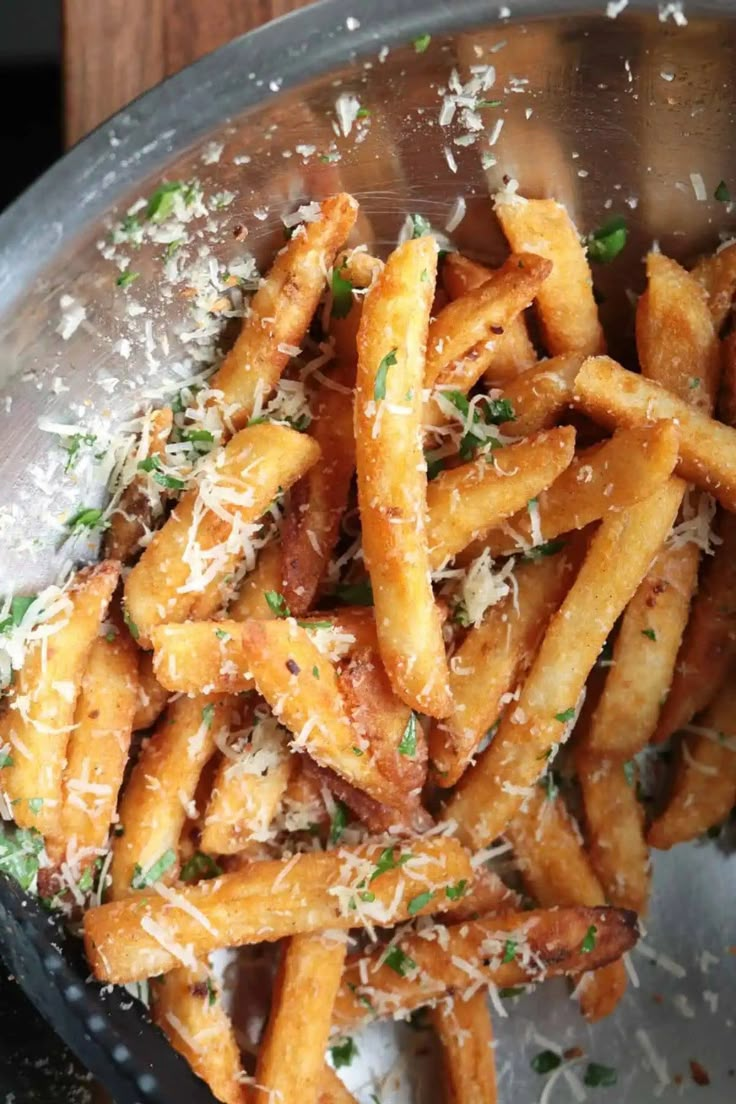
(104, 1026)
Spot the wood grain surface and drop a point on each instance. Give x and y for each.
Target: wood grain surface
(116, 49)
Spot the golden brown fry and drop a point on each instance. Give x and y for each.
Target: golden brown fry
(485, 895)
(281, 310)
(409, 819)
(152, 696)
(160, 790)
(704, 788)
(540, 396)
(490, 661)
(514, 352)
(709, 643)
(332, 1090)
(142, 500)
(187, 1006)
(181, 571)
(98, 747)
(391, 475)
(618, 557)
(465, 1032)
(615, 397)
(465, 502)
(39, 710)
(629, 467)
(717, 274)
(548, 943)
(267, 575)
(291, 1059)
(267, 901)
(567, 309)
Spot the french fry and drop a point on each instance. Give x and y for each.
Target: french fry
(391, 475)
(615, 821)
(540, 396)
(152, 696)
(332, 1090)
(281, 310)
(629, 467)
(97, 751)
(567, 309)
(514, 352)
(492, 791)
(291, 1062)
(465, 502)
(487, 894)
(159, 792)
(267, 901)
(557, 871)
(266, 576)
(490, 661)
(39, 713)
(615, 397)
(142, 500)
(727, 401)
(186, 1004)
(547, 944)
(704, 788)
(202, 541)
(717, 275)
(465, 1033)
(408, 819)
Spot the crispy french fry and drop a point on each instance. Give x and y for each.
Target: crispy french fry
(391, 475)
(709, 643)
(567, 309)
(39, 712)
(187, 1006)
(465, 1032)
(202, 541)
(675, 338)
(629, 467)
(490, 661)
(547, 943)
(557, 871)
(142, 500)
(717, 274)
(98, 747)
(618, 557)
(704, 788)
(465, 502)
(409, 819)
(160, 789)
(540, 396)
(648, 640)
(281, 310)
(514, 352)
(291, 1062)
(271, 900)
(247, 788)
(615, 397)
(152, 696)
(267, 575)
(615, 821)
(332, 1090)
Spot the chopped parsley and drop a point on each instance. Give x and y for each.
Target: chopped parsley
(379, 387)
(421, 43)
(408, 745)
(545, 1061)
(399, 961)
(6, 759)
(420, 226)
(208, 713)
(605, 244)
(18, 608)
(650, 633)
(549, 548)
(35, 804)
(455, 892)
(152, 466)
(211, 992)
(198, 436)
(509, 950)
(435, 464)
(386, 861)
(629, 768)
(19, 851)
(143, 878)
(722, 193)
(276, 603)
(72, 445)
(87, 880)
(132, 627)
(222, 635)
(161, 203)
(548, 782)
(355, 594)
(125, 279)
(598, 1076)
(199, 866)
(511, 991)
(339, 822)
(86, 518)
(484, 413)
(315, 671)
(489, 103)
(566, 716)
(589, 941)
(363, 113)
(342, 1053)
(342, 294)
(357, 751)
(419, 902)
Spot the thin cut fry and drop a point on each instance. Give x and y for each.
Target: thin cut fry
(717, 274)
(142, 500)
(619, 555)
(391, 475)
(281, 310)
(540, 396)
(202, 542)
(39, 713)
(291, 1059)
(704, 789)
(152, 696)
(490, 661)
(615, 397)
(137, 938)
(547, 943)
(187, 1006)
(266, 576)
(465, 502)
(98, 747)
(160, 790)
(567, 309)
(465, 1032)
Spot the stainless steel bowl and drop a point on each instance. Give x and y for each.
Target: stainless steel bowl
(629, 115)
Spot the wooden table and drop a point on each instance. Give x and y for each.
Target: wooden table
(116, 49)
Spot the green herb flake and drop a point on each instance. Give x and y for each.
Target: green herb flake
(399, 961)
(315, 671)
(387, 861)
(200, 866)
(125, 279)
(211, 992)
(419, 902)
(222, 635)
(208, 715)
(19, 852)
(161, 203)
(343, 1052)
(379, 387)
(548, 782)
(694, 383)
(408, 745)
(73, 444)
(342, 294)
(589, 940)
(566, 716)
(357, 751)
(19, 607)
(605, 244)
(629, 769)
(86, 518)
(143, 878)
(488, 103)
(722, 193)
(132, 627)
(455, 892)
(511, 991)
(87, 880)
(549, 548)
(649, 633)
(363, 113)
(35, 804)
(435, 464)
(598, 1076)
(152, 466)
(355, 594)
(509, 950)
(6, 759)
(197, 436)
(421, 43)
(420, 226)
(276, 603)
(339, 822)
(546, 1061)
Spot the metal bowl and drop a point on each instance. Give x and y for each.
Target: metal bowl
(630, 115)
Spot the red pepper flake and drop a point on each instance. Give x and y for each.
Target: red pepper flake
(573, 1052)
(699, 1073)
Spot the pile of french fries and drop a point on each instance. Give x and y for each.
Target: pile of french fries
(559, 580)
